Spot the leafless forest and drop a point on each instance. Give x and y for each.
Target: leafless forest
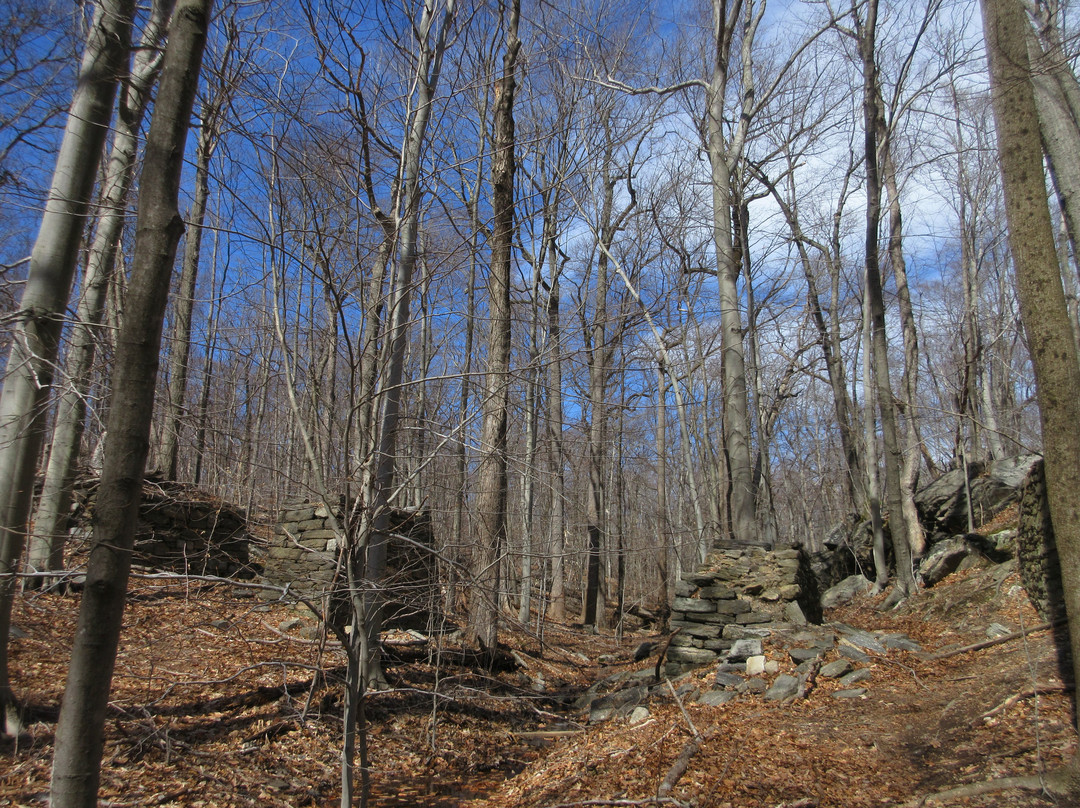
(595, 286)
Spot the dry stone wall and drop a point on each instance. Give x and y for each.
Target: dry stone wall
(180, 529)
(304, 550)
(734, 591)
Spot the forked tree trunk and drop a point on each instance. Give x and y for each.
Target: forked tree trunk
(77, 760)
(893, 454)
(1042, 307)
(50, 522)
(37, 326)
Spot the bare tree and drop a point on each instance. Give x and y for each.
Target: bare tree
(1042, 301)
(79, 742)
(52, 269)
(491, 496)
(50, 522)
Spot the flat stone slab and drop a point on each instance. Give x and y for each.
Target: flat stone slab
(853, 693)
(733, 631)
(856, 676)
(743, 649)
(714, 698)
(753, 617)
(805, 654)
(724, 679)
(861, 639)
(834, 670)
(693, 606)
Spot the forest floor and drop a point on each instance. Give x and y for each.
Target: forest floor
(218, 700)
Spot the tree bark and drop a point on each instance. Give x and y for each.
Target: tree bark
(50, 522)
(492, 480)
(184, 304)
(1042, 298)
(37, 325)
(893, 453)
(77, 760)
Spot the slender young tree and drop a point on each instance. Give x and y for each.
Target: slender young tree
(37, 326)
(77, 760)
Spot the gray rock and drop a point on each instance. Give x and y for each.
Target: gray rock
(836, 669)
(995, 630)
(638, 715)
(853, 693)
(901, 642)
(717, 592)
(726, 680)
(793, 613)
(733, 631)
(804, 654)
(783, 688)
(693, 605)
(860, 639)
(714, 698)
(757, 685)
(754, 617)
(684, 589)
(732, 606)
(597, 716)
(693, 656)
(852, 653)
(945, 558)
(845, 591)
(856, 676)
(731, 667)
(742, 650)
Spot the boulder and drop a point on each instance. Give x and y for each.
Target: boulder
(845, 591)
(943, 504)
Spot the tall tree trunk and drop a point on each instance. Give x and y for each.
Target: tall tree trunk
(50, 522)
(557, 607)
(909, 381)
(724, 153)
(491, 497)
(180, 348)
(37, 326)
(905, 579)
(1042, 304)
(77, 760)
(663, 524)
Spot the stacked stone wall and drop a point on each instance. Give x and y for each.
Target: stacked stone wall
(735, 590)
(304, 552)
(180, 529)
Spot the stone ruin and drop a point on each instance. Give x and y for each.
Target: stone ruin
(180, 529)
(304, 553)
(736, 588)
(744, 592)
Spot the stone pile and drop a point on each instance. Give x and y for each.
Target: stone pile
(734, 590)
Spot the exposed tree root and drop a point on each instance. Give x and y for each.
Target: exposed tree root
(1061, 784)
(1030, 783)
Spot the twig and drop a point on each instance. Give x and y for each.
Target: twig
(678, 768)
(1038, 690)
(686, 715)
(996, 641)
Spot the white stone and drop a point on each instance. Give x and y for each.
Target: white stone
(755, 665)
(772, 666)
